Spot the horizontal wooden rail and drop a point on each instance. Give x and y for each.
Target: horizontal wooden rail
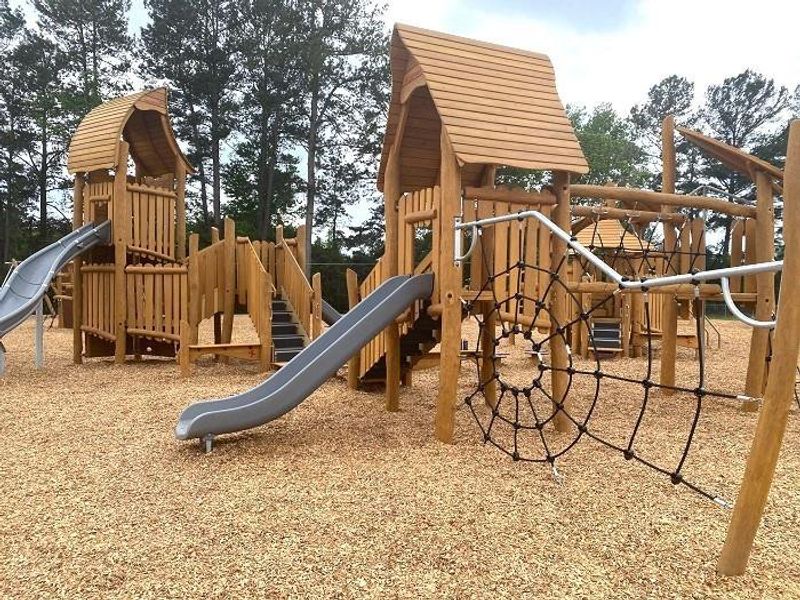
(513, 195)
(158, 270)
(149, 252)
(420, 216)
(621, 213)
(649, 196)
(153, 191)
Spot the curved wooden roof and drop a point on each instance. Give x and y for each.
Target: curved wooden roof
(140, 119)
(732, 157)
(498, 105)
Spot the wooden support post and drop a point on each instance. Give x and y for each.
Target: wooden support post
(265, 322)
(669, 331)
(184, 358)
(316, 307)
(77, 278)
(558, 301)
(180, 210)
(408, 377)
(194, 288)
(765, 282)
(121, 227)
(354, 364)
(230, 280)
(450, 276)
(217, 316)
(302, 259)
(487, 354)
(391, 194)
(779, 394)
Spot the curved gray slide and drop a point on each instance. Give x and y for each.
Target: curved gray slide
(28, 283)
(292, 384)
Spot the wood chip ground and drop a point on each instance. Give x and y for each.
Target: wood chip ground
(342, 499)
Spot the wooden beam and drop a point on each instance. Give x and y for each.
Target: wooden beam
(180, 210)
(508, 194)
(77, 279)
(779, 394)
(765, 291)
(450, 277)
(121, 234)
(229, 302)
(420, 216)
(663, 198)
(639, 216)
(354, 364)
(558, 301)
(391, 194)
(669, 326)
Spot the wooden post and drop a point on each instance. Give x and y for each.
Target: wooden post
(484, 255)
(354, 364)
(184, 360)
(669, 327)
(77, 278)
(302, 259)
(391, 194)
(265, 321)
(121, 227)
(450, 277)
(558, 300)
(217, 316)
(180, 210)
(316, 307)
(194, 288)
(780, 383)
(230, 280)
(765, 299)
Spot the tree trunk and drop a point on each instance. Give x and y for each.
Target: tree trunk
(43, 184)
(215, 165)
(261, 177)
(311, 172)
(201, 170)
(273, 160)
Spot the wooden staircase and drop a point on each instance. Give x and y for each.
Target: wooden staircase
(419, 338)
(288, 337)
(607, 335)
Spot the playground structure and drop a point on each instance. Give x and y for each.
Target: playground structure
(459, 110)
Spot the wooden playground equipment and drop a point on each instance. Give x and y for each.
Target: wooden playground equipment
(143, 295)
(459, 110)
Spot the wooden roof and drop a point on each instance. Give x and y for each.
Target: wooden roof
(498, 105)
(732, 157)
(610, 234)
(142, 120)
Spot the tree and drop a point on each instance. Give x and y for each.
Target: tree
(36, 69)
(93, 34)
(195, 47)
(609, 145)
(271, 95)
(743, 112)
(344, 72)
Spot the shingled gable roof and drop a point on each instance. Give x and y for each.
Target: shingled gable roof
(142, 120)
(498, 105)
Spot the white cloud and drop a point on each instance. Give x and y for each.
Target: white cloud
(703, 40)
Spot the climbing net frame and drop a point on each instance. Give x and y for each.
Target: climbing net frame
(530, 408)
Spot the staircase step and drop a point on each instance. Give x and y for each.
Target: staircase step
(285, 329)
(280, 305)
(286, 354)
(282, 316)
(288, 341)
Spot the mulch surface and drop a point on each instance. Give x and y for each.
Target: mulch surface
(341, 499)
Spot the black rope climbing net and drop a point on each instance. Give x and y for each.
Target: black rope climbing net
(544, 416)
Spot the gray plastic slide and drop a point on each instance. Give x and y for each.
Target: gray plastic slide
(28, 283)
(329, 314)
(318, 361)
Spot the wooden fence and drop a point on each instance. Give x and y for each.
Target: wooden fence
(98, 301)
(372, 352)
(258, 297)
(152, 221)
(157, 300)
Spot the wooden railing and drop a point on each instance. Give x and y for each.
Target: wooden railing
(372, 352)
(258, 294)
(296, 288)
(157, 300)
(206, 281)
(98, 301)
(152, 220)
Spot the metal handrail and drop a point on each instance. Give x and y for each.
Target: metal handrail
(623, 282)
